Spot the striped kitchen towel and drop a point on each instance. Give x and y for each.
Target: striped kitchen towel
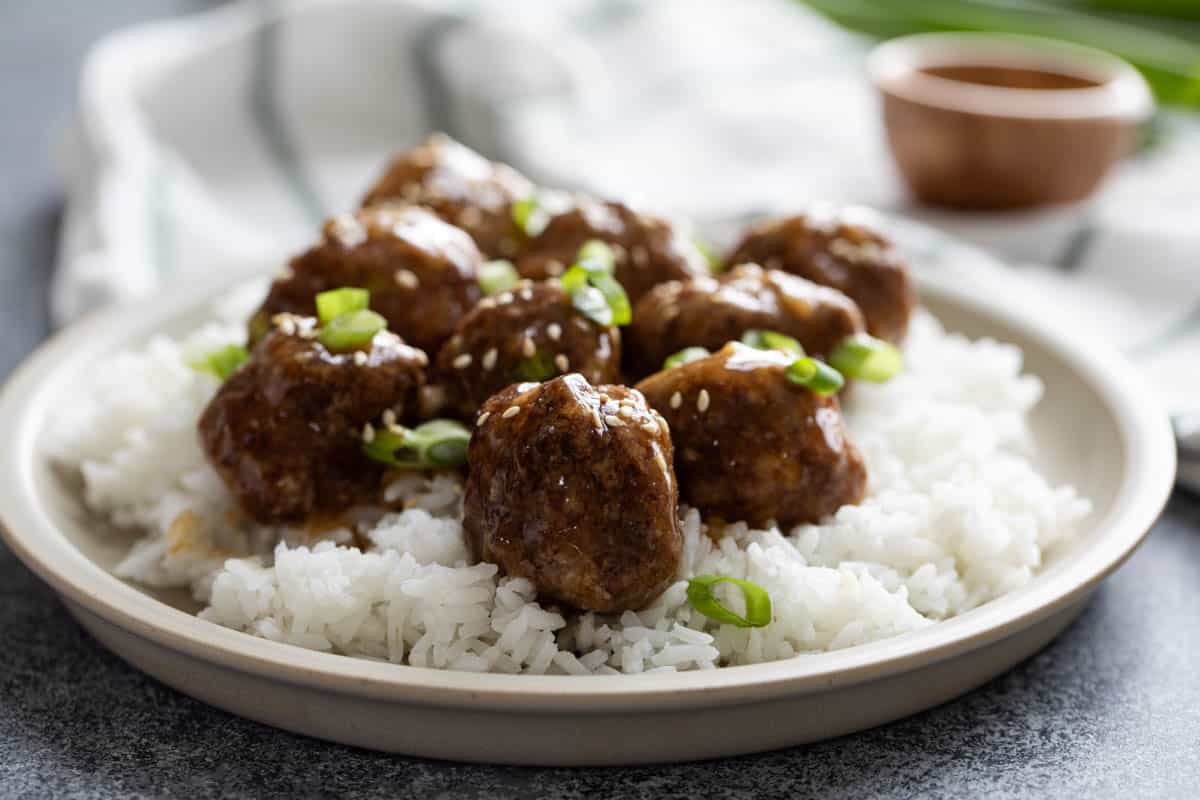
(225, 138)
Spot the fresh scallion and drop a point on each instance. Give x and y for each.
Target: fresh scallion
(815, 375)
(591, 302)
(538, 367)
(710, 255)
(351, 330)
(772, 340)
(702, 596)
(223, 362)
(335, 302)
(863, 357)
(498, 276)
(596, 256)
(431, 445)
(529, 215)
(593, 289)
(684, 356)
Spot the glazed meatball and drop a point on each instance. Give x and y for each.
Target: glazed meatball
(422, 273)
(708, 312)
(531, 333)
(750, 445)
(649, 250)
(460, 186)
(571, 487)
(835, 252)
(284, 431)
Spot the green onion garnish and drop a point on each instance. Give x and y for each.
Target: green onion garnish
(498, 276)
(351, 330)
(772, 340)
(714, 261)
(703, 598)
(864, 357)
(593, 289)
(223, 362)
(434, 444)
(539, 367)
(335, 302)
(529, 216)
(684, 356)
(815, 375)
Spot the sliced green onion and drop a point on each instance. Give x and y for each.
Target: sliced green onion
(592, 287)
(351, 330)
(538, 367)
(685, 356)
(702, 596)
(772, 340)
(223, 362)
(815, 375)
(596, 256)
(434, 444)
(592, 303)
(529, 216)
(863, 357)
(714, 261)
(335, 302)
(498, 276)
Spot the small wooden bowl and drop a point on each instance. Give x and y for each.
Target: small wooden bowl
(987, 121)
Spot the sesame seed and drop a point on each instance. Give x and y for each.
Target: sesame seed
(562, 362)
(614, 420)
(649, 426)
(368, 433)
(489, 359)
(554, 331)
(662, 462)
(528, 349)
(525, 387)
(462, 362)
(504, 297)
(554, 268)
(526, 294)
(487, 302)
(676, 400)
(483, 418)
(626, 411)
(389, 417)
(360, 357)
(511, 411)
(662, 423)
(596, 418)
(702, 401)
(407, 278)
(421, 358)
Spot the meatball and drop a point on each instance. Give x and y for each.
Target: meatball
(571, 487)
(649, 250)
(460, 186)
(707, 312)
(529, 334)
(284, 431)
(834, 252)
(751, 445)
(421, 272)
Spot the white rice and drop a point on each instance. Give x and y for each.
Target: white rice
(956, 515)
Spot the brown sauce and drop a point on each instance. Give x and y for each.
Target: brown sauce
(1010, 77)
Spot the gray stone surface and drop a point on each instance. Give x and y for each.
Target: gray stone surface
(1110, 710)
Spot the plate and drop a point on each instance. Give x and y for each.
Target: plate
(1094, 429)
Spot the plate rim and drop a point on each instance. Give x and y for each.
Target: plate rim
(24, 522)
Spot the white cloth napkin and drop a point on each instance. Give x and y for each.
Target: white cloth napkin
(225, 137)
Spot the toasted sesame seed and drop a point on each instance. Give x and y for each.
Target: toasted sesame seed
(525, 387)
(554, 268)
(389, 417)
(511, 411)
(662, 462)
(614, 420)
(360, 357)
(487, 302)
(596, 418)
(676, 400)
(554, 331)
(462, 361)
(407, 278)
(526, 294)
(504, 297)
(626, 411)
(421, 358)
(528, 349)
(702, 401)
(562, 362)
(662, 423)
(489, 359)
(483, 418)
(649, 426)
(368, 433)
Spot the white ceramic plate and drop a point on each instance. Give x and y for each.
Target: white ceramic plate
(1094, 429)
